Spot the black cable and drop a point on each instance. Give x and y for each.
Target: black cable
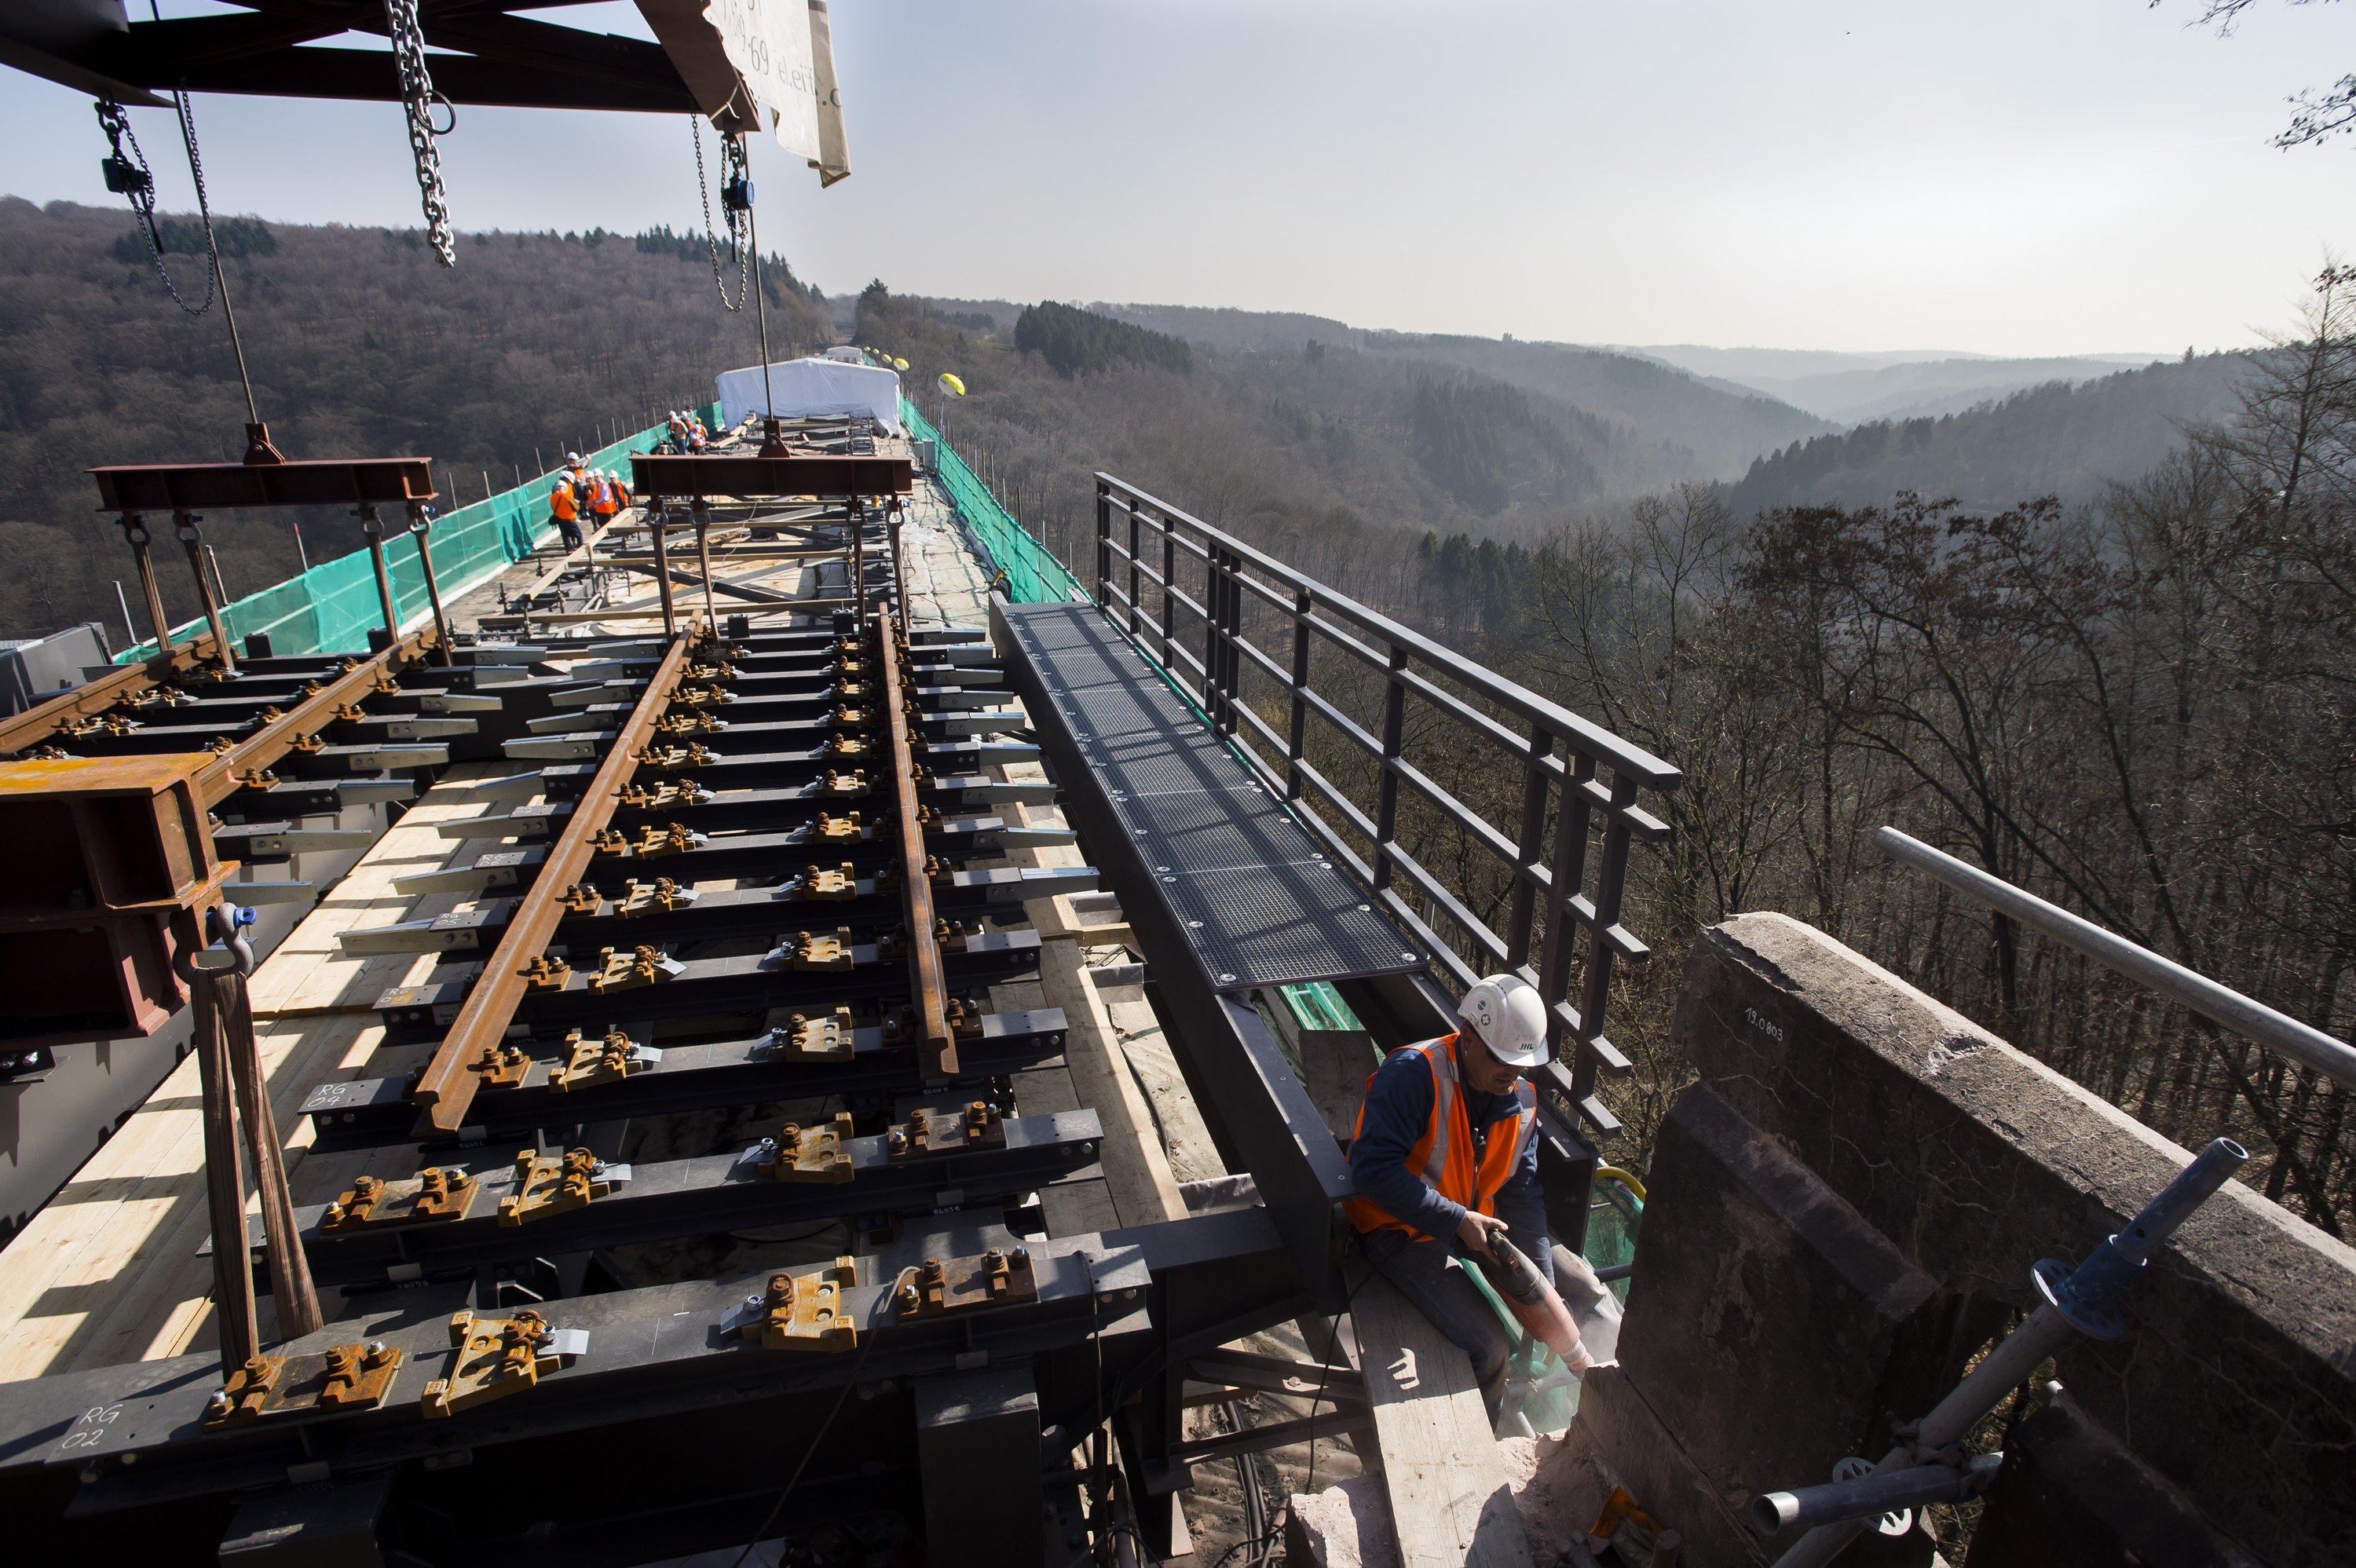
(811, 1452)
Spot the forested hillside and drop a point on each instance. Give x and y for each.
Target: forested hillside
(359, 346)
(2054, 440)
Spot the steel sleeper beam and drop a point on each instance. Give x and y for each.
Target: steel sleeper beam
(709, 1196)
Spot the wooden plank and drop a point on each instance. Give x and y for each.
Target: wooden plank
(1450, 1504)
(309, 972)
(1137, 1172)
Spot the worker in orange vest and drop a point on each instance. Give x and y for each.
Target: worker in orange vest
(1445, 1157)
(697, 436)
(604, 496)
(564, 509)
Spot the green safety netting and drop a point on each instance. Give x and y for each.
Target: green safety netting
(333, 607)
(1033, 575)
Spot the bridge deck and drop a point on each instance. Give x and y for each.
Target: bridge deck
(1261, 905)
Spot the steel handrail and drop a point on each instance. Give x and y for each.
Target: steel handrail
(1606, 747)
(2245, 1016)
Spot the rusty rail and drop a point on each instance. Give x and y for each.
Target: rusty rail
(447, 1088)
(43, 720)
(935, 1041)
(221, 778)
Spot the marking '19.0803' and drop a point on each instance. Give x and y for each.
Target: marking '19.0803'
(1765, 1025)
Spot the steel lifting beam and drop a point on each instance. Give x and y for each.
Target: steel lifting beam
(929, 990)
(447, 1086)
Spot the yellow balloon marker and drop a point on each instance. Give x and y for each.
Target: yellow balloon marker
(950, 384)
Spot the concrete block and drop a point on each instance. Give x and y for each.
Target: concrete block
(2071, 1495)
(2236, 1380)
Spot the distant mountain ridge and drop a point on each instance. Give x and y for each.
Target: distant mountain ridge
(2054, 439)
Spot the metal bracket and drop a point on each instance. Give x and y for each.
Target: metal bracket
(927, 1132)
(672, 839)
(800, 1312)
(934, 1288)
(342, 1377)
(497, 1357)
(502, 1066)
(844, 786)
(549, 1184)
(814, 884)
(805, 952)
(801, 1038)
(371, 1203)
(642, 966)
(660, 896)
(808, 1154)
(606, 1060)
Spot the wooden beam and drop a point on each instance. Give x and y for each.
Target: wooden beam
(1450, 1504)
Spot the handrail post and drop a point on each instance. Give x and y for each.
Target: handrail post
(1570, 874)
(1296, 735)
(1211, 633)
(1527, 847)
(1387, 783)
(1129, 607)
(1168, 592)
(1611, 882)
(1104, 540)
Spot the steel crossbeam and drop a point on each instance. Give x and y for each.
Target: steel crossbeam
(706, 1196)
(719, 1073)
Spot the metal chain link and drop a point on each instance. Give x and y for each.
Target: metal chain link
(732, 150)
(140, 192)
(417, 98)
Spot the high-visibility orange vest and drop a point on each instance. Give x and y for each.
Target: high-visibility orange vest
(1442, 1156)
(601, 498)
(561, 500)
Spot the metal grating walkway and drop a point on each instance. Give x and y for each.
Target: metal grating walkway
(1244, 881)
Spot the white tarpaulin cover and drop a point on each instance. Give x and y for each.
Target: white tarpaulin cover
(807, 387)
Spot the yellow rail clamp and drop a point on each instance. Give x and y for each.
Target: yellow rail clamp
(996, 1278)
(642, 966)
(801, 1038)
(496, 1357)
(659, 897)
(549, 1184)
(838, 829)
(814, 884)
(844, 786)
(606, 1060)
(673, 838)
(341, 1377)
(803, 1312)
(805, 952)
(808, 1154)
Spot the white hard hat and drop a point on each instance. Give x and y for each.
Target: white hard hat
(572, 457)
(1507, 1013)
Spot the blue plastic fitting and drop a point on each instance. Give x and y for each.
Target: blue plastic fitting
(2088, 1295)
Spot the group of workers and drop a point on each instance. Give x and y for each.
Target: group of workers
(578, 492)
(687, 432)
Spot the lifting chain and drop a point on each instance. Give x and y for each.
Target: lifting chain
(739, 177)
(417, 99)
(136, 181)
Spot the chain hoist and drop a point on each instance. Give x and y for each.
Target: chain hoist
(132, 178)
(736, 204)
(417, 100)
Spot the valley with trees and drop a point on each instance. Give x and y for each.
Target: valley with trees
(2093, 635)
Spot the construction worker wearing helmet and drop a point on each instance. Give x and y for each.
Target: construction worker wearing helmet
(604, 496)
(565, 498)
(1445, 1157)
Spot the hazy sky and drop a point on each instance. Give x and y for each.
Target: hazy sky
(2015, 176)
